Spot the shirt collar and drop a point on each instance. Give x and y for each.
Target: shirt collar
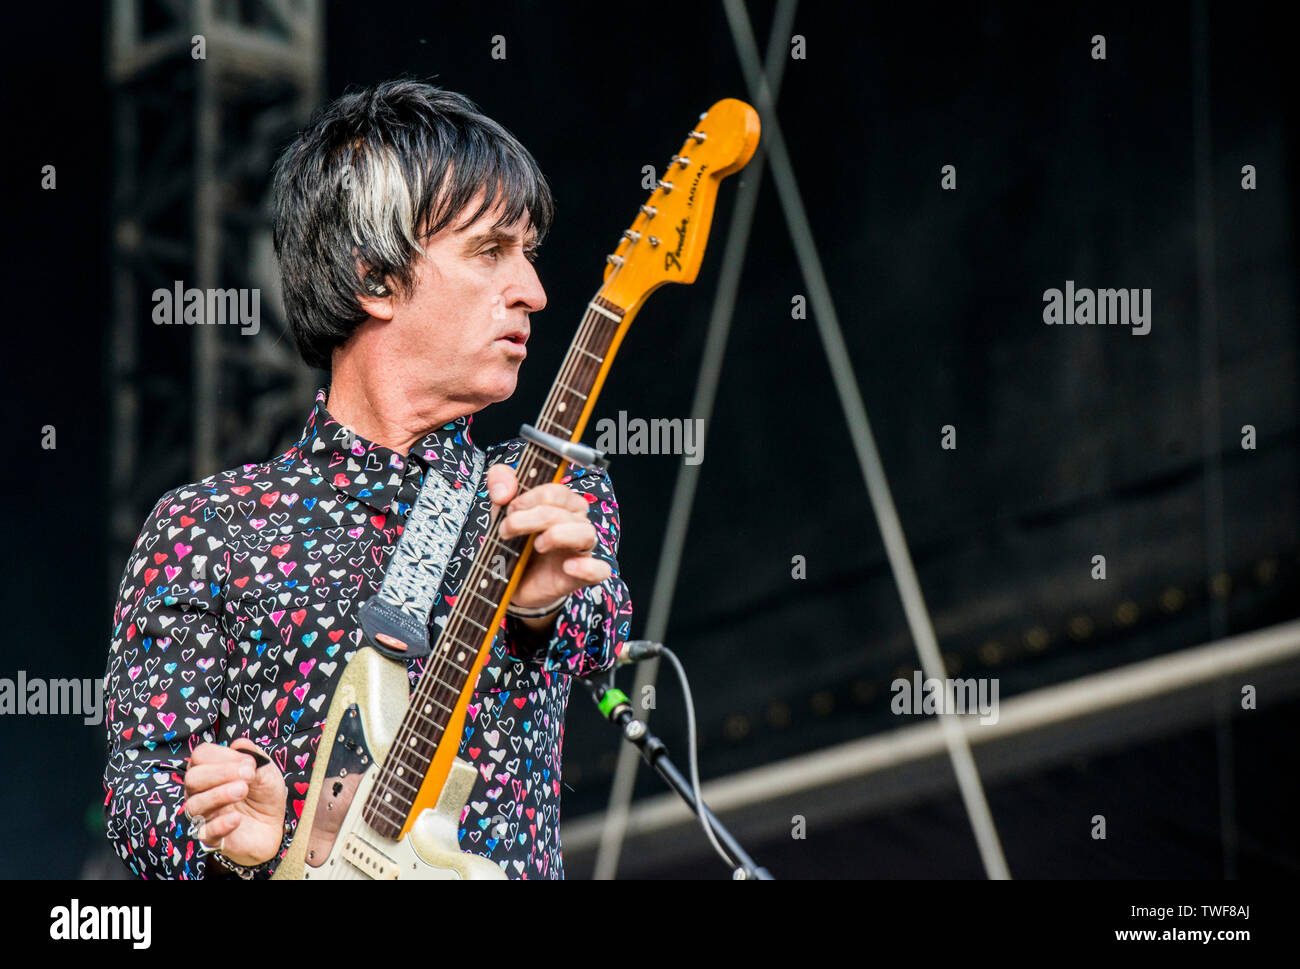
(372, 472)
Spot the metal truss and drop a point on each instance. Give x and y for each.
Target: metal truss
(203, 95)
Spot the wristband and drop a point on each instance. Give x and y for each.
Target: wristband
(248, 872)
(536, 612)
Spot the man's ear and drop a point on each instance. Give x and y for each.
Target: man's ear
(376, 297)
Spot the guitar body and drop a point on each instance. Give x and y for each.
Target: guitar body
(333, 840)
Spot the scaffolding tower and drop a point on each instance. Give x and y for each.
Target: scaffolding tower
(204, 94)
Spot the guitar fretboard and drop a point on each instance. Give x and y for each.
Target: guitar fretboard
(447, 671)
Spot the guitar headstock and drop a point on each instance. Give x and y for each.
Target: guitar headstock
(667, 239)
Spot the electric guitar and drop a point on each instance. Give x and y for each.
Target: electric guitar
(386, 795)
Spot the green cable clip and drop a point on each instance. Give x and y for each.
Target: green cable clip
(612, 698)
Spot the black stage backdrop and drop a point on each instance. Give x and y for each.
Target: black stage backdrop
(1071, 442)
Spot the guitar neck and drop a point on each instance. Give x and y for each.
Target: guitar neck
(451, 671)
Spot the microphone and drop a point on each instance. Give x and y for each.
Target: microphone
(609, 699)
(636, 650)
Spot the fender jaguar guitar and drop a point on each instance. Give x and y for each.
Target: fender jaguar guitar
(386, 794)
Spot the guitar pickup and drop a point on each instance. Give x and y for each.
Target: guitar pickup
(368, 860)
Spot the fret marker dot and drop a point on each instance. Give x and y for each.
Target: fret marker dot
(460, 657)
(428, 708)
(412, 741)
(400, 770)
(388, 797)
(482, 583)
(532, 472)
(563, 404)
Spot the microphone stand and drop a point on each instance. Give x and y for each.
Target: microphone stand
(617, 709)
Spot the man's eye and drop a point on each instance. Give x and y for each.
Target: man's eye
(494, 253)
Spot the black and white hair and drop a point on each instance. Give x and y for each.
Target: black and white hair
(368, 181)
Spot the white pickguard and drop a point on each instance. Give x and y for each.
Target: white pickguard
(378, 688)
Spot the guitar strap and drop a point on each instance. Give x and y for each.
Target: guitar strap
(410, 586)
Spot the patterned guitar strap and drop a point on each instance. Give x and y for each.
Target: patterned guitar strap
(401, 609)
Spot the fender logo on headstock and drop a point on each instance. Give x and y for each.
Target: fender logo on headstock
(672, 257)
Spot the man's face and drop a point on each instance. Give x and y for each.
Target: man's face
(462, 332)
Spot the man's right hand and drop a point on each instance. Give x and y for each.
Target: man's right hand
(243, 807)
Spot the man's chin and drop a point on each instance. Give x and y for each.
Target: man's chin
(504, 391)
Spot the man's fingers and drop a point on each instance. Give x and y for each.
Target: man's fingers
(590, 570)
(215, 754)
(206, 776)
(567, 537)
(554, 493)
(260, 758)
(221, 824)
(536, 519)
(502, 483)
(207, 802)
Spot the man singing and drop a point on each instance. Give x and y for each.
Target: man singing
(406, 225)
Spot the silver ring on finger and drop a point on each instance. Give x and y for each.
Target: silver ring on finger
(207, 849)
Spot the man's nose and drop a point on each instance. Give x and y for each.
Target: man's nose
(530, 294)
